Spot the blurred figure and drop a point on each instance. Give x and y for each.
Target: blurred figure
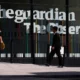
(2, 45)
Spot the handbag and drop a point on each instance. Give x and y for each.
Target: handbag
(2, 46)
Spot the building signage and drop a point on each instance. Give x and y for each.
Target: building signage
(53, 14)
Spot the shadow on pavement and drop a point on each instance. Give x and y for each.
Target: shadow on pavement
(58, 74)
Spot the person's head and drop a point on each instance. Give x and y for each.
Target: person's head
(54, 29)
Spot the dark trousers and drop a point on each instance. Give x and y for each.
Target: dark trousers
(50, 57)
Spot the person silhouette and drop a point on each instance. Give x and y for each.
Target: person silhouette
(56, 46)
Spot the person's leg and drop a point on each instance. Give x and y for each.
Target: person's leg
(50, 57)
(59, 57)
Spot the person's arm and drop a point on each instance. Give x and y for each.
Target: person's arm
(1, 40)
(53, 42)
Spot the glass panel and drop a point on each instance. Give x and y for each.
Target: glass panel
(12, 23)
(47, 14)
(74, 28)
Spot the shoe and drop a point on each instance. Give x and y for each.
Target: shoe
(60, 66)
(47, 64)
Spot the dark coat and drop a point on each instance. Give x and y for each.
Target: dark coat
(56, 41)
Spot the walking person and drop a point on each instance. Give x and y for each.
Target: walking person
(56, 46)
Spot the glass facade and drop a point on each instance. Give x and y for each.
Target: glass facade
(15, 26)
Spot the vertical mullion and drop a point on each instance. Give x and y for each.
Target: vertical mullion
(31, 32)
(67, 28)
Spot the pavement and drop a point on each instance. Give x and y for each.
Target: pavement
(34, 70)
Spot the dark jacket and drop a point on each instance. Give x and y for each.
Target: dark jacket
(56, 41)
